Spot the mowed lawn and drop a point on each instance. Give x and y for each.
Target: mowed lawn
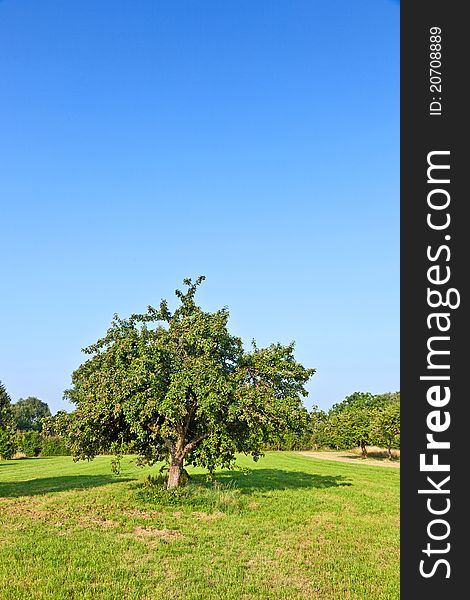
(300, 527)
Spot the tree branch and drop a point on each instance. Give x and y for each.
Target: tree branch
(191, 411)
(193, 442)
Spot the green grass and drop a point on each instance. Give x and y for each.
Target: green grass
(293, 527)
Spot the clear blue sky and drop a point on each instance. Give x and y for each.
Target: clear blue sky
(254, 142)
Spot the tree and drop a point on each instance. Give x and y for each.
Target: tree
(350, 420)
(29, 413)
(29, 442)
(184, 390)
(54, 434)
(385, 426)
(360, 400)
(298, 439)
(56, 425)
(361, 419)
(318, 428)
(5, 406)
(349, 428)
(7, 432)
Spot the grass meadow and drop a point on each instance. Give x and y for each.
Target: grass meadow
(289, 527)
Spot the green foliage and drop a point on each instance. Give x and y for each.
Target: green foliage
(34, 443)
(29, 442)
(48, 442)
(299, 438)
(318, 420)
(7, 430)
(361, 419)
(28, 413)
(179, 386)
(351, 420)
(54, 446)
(389, 398)
(385, 426)
(7, 442)
(359, 401)
(352, 427)
(55, 433)
(56, 425)
(5, 407)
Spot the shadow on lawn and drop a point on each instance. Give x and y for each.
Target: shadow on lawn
(375, 455)
(275, 479)
(46, 485)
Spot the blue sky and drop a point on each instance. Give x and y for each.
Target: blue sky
(254, 142)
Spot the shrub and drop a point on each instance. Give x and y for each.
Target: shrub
(54, 445)
(33, 443)
(29, 443)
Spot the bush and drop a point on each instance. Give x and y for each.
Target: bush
(54, 445)
(33, 443)
(29, 442)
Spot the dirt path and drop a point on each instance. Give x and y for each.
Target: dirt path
(350, 457)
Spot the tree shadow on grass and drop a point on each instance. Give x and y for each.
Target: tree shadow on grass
(375, 455)
(275, 479)
(47, 485)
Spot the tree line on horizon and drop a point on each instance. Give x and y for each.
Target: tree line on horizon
(22, 428)
(362, 419)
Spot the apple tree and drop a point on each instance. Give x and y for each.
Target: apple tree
(178, 386)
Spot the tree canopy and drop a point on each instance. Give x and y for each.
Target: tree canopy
(385, 425)
(179, 386)
(29, 413)
(361, 419)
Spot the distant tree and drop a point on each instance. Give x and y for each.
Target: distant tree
(360, 419)
(184, 390)
(5, 405)
(7, 430)
(7, 442)
(385, 426)
(293, 439)
(55, 434)
(57, 424)
(54, 446)
(349, 428)
(360, 400)
(29, 442)
(28, 413)
(350, 420)
(318, 428)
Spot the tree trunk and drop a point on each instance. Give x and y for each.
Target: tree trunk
(177, 455)
(364, 449)
(390, 453)
(178, 452)
(174, 474)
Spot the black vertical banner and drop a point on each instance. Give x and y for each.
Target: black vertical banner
(435, 258)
